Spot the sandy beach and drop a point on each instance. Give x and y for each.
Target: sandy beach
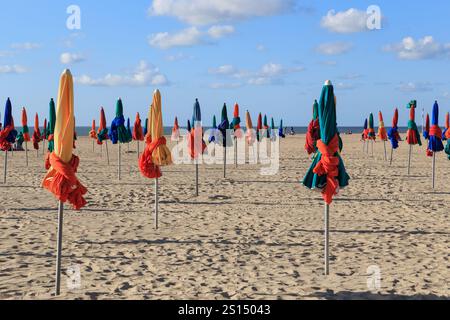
(244, 237)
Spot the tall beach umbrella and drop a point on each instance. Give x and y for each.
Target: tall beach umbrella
(118, 134)
(371, 131)
(382, 133)
(102, 134)
(435, 142)
(8, 135)
(313, 133)
(447, 126)
(156, 153)
(413, 135)
(51, 126)
(196, 144)
(447, 147)
(281, 130)
(273, 130)
(394, 135)
(93, 135)
(426, 130)
(146, 127)
(214, 136)
(365, 135)
(25, 133)
(236, 126)
(327, 173)
(266, 127)
(44, 135)
(61, 178)
(129, 134)
(138, 132)
(37, 136)
(226, 140)
(259, 127)
(175, 131)
(251, 137)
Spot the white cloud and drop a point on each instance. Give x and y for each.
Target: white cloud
(71, 58)
(415, 87)
(270, 73)
(178, 57)
(344, 86)
(185, 38)
(425, 48)
(12, 69)
(189, 37)
(218, 32)
(351, 76)
(207, 12)
(223, 70)
(350, 21)
(144, 75)
(25, 46)
(334, 48)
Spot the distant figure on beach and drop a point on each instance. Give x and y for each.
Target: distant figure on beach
(292, 131)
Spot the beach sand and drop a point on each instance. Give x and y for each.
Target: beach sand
(245, 237)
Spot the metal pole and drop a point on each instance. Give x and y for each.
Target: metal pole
(372, 146)
(225, 162)
(138, 152)
(107, 152)
(119, 160)
(327, 239)
(93, 146)
(392, 156)
(5, 167)
(196, 179)
(409, 159)
(434, 169)
(235, 152)
(59, 247)
(385, 152)
(26, 152)
(156, 203)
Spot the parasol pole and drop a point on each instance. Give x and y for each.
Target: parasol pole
(26, 152)
(225, 162)
(138, 152)
(434, 169)
(385, 151)
(5, 167)
(156, 202)
(93, 146)
(409, 159)
(59, 247)
(372, 147)
(119, 160)
(235, 152)
(327, 239)
(107, 152)
(43, 147)
(196, 179)
(392, 156)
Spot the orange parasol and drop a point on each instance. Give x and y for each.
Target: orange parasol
(61, 178)
(156, 153)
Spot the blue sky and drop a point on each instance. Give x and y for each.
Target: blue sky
(270, 56)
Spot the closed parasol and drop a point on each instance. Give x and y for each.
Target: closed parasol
(327, 172)
(61, 178)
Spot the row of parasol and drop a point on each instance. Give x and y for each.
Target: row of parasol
(432, 132)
